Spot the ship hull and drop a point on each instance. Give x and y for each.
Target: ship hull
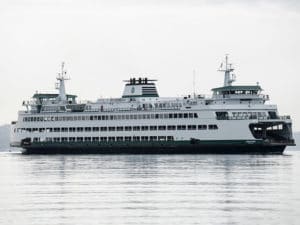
(174, 147)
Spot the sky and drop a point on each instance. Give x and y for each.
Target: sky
(105, 42)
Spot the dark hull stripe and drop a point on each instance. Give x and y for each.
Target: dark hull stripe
(153, 148)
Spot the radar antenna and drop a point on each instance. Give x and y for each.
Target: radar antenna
(229, 78)
(62, 76)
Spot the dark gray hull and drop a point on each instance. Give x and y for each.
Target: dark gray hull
(172, 147)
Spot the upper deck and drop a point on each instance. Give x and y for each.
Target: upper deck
(140, 94)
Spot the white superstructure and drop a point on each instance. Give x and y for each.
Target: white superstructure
(234, 114)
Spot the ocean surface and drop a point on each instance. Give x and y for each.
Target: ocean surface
(150, 189)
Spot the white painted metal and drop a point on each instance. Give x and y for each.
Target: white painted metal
(235, 128)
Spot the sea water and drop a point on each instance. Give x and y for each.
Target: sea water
(149, 189)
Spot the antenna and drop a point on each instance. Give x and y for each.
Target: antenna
(228, 78)
(194, 77)
(62, 76)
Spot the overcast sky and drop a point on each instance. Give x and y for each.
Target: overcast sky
(105, 42)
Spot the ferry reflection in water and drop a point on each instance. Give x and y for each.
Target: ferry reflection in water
(149, 189)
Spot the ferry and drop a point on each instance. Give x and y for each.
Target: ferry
(235, 119)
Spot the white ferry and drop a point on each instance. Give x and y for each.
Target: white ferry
(235, 119)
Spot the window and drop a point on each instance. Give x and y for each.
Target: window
(95, 129)
(119, 138)
(87, 129)
(56, 139)
(212, 127)
(87, 138)
(181, 127)
(48, 139)
(34, 130)
(192, 127)
(272, 115)
(72, 129)
(111, 128)
(153, 138)
(64, 129)
(41, 129)
(64, 139)
(49, 129)
(71, 139)
(111, 138)
(145, 128)
(136, 128)
(153, 127)
(144, 138)
(170, 138)
(128, 128)
(103, 128)
(95, 138)
(161, 138)
(171, 127)
(128, 138)
(79, 138)
(79, 129)
(222, 115)
(119, 128)
(103, 138)
(136, 138)
(56, 129)
(161, 127)
(202, 127)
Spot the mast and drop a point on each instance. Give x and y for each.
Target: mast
(62, 76)
(229, 78)
(194, 90)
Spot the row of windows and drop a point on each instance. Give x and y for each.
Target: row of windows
(111, 117)
(240, 115)
(120, 128)
(104, 139)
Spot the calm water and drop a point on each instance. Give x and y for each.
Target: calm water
(150, 189)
